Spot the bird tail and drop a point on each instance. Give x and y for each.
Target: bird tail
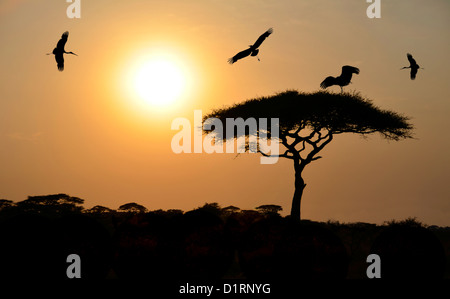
(231, 60)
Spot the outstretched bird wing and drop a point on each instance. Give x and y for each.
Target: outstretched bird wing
(349, 70)
(263, 36)
(329, 81)
(60, 61)
(240, 55)
(62, 41)
(411, 60)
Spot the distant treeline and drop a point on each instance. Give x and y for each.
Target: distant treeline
(209, 242)
(63, 204)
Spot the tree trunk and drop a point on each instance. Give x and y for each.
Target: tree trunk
(299, 187)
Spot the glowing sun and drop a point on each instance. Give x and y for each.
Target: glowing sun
(158, 82)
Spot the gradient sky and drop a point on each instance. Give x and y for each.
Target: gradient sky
(85, 133)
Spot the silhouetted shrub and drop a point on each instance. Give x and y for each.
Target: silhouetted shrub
(179, 246)
(87, 238)
(148, 246)
(256, 248)
(36, 247)
(290, 250)
(29, 249)
(207, 253)
(357, 238)
(409, 251)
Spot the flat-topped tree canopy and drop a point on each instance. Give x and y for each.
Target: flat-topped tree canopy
(307, 122)
(334, 112)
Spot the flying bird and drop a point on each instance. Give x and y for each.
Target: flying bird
(59, 51)
(412, 65)
(253, 49)
(342, 80)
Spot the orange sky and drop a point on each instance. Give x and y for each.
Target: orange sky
(84, 132)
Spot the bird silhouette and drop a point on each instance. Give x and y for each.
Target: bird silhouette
(59, 51)
(413, 66)
(253, 49)
(342, 80)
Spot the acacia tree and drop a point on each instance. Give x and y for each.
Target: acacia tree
(307, 122)
(53, 203)
(132, 207)
(270, 210)
(99, 210)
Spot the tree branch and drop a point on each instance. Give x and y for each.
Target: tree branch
(317, 148)
(284, 155)
(290, 147)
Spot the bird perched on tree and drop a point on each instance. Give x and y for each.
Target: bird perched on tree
(253, 49)
(413, 66)
(59, 51)
(342, 80)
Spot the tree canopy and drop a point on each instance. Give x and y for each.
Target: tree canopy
(132, 207)
(269, 210)
(99, 210)
(54, 203)
(335, 112)
(5, 203)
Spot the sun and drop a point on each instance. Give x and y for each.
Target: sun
(157, 82)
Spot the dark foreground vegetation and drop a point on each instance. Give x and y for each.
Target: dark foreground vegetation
(210, 242)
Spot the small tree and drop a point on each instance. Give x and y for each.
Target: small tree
(99, 210)
(132, 207)
(230, 210)
(169, 213)
(54, 203)
(310, 121)
(269, 210)
(5, 204)
(212, 208)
